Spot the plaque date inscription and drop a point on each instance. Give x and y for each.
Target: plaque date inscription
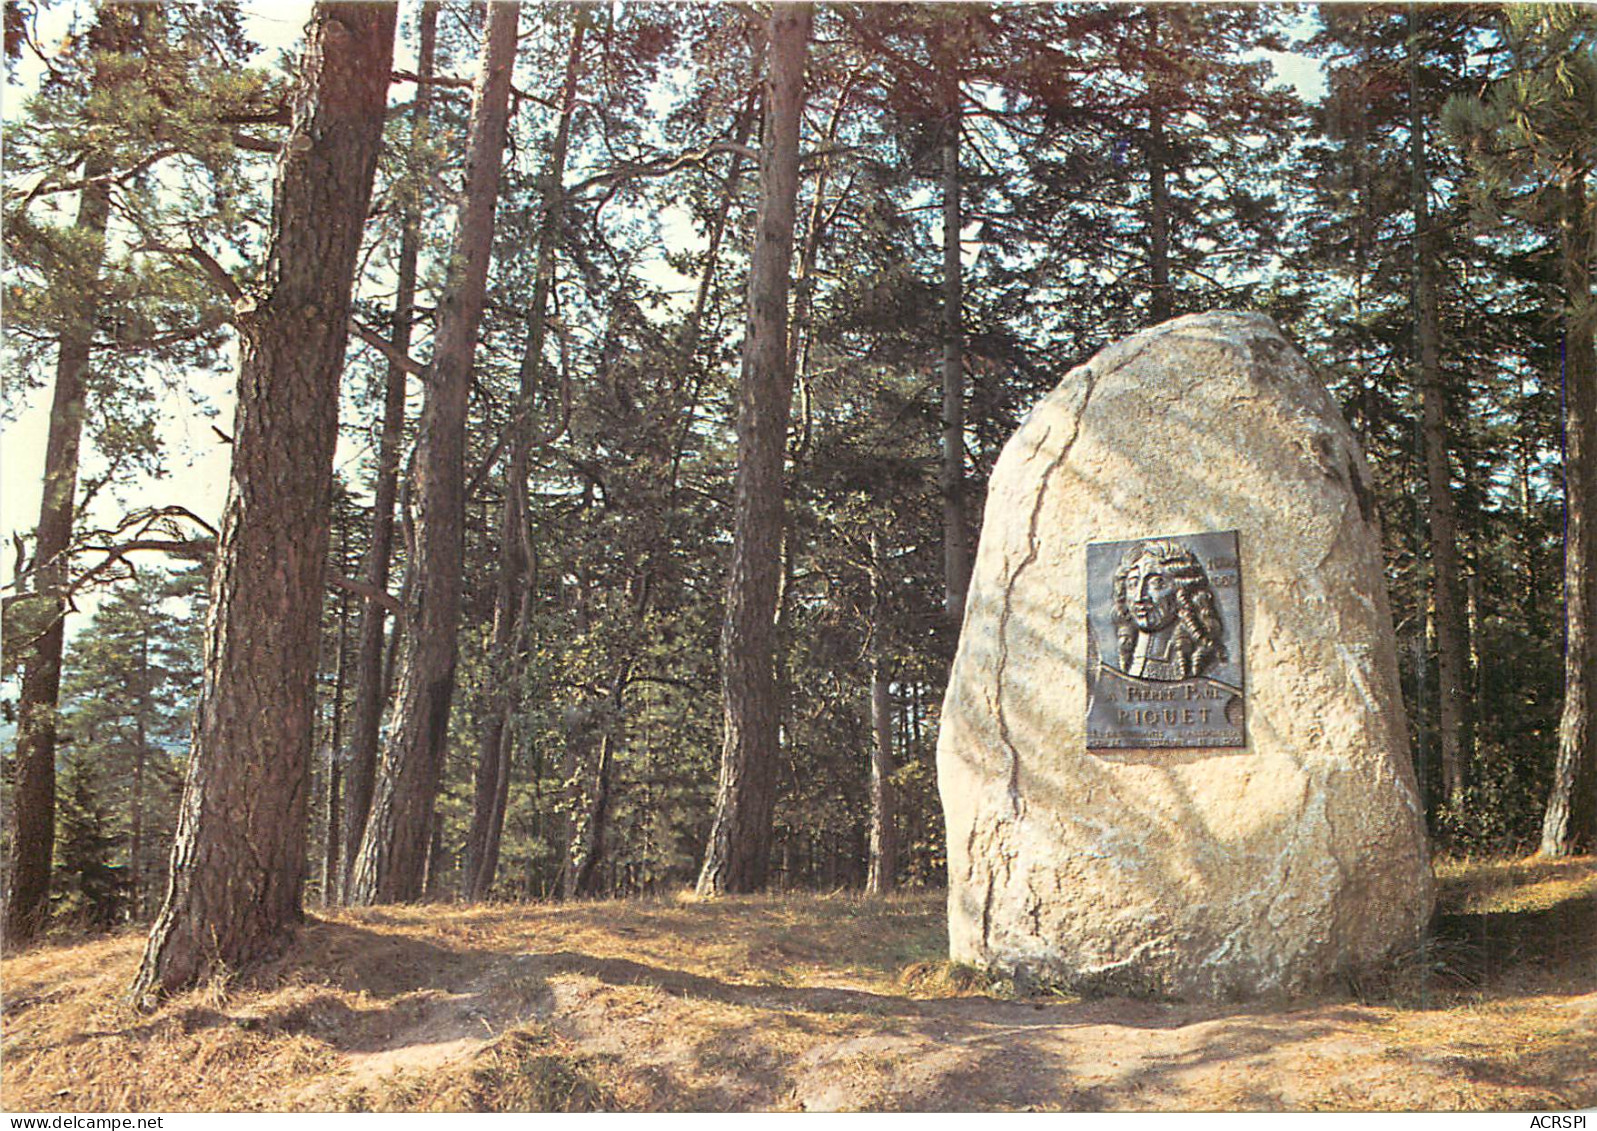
(1164, 643)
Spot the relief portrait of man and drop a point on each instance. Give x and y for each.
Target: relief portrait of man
(1165, 614)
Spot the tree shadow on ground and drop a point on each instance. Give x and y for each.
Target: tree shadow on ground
(407, 981)
(1497, 954)
(683, 983)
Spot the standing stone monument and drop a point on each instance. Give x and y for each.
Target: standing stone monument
(1173, 756)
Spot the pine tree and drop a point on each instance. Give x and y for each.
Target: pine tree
(1452, 660)
(103, 127)
(1393, 293)
(93, 888)
(393, 853)
(737, 856)
(1533, 149)
(238, 862)
(127, 705)
(512, 608)
(370, 684)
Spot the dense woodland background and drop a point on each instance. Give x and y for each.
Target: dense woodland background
(519, 680)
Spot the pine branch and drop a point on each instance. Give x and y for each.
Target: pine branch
(665, 165)
(432, 80)
(194, 549)
(207, 262)
(116, 177)
(398, 357)
(255, 144)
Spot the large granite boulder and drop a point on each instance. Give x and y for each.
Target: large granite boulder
(1240, 816)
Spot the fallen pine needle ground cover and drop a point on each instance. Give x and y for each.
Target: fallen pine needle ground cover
(800, 1002)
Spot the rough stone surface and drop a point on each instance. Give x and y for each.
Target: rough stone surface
(1201, 873)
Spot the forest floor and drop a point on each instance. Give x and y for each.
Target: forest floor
(799, 1002)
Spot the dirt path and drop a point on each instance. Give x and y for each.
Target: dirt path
(450, 1026)
(683, 1041)
(798, 1002)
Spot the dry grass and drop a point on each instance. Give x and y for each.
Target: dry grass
(944, 979)
(1482, 886)
(799, 1002)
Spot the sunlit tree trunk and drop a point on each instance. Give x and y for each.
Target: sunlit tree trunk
(591, 799)
(238, 860)
(392, 862)
(737, 856)
(1569, 825)
(1451, 649)
(884, 803)
(371, 683)
(32, 815)
(492, 782)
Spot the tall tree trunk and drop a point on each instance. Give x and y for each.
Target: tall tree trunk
(491, 786)
(1526, 536)
(800, 340)
(371, 683)
(433, 872)
(588, 845)
(238, 861)
(738, 852)
(333, 856)
(1161, 303)
(1569, 825)
(393, 854)
(33, 796)
(1451, 674)
(884, 807)
(141, 751)
(956, 523)
(1161, 300)
(574, 756)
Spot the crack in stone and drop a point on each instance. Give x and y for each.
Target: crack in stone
(1014, 577)
(987, 914)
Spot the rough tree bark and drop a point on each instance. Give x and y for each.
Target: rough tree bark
(511, 606)
(238, 860)
(884, 802)
(738, 853)
(392, 861)
(1569, 825)
(1451, 648)
(33, 797)
(370, 682)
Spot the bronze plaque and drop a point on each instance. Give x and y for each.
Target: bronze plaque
(1164, 643)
